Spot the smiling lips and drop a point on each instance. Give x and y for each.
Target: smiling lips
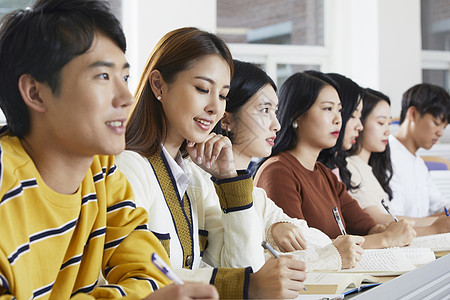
(271, 141)
(118, 126)
(203, 123)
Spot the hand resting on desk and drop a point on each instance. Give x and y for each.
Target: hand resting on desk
(288, 237)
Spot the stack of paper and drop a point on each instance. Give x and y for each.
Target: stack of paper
(392, 261)
(439, 243)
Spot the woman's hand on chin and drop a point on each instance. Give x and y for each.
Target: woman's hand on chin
(214, 155)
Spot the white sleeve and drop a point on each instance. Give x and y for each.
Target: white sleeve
(199, 275)
(320, 255)
(138, 173)
(437, 200)
(396, 204)
(273, 214)
(234, 237)
(319, 259)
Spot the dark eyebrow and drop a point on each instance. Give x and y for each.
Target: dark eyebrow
(102, 63)
(331, 102)
(268, 103)
(211, 81)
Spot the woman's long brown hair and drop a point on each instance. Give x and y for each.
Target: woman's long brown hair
(177, 51)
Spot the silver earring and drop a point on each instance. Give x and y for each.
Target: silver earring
(159, 98)
(295, 125)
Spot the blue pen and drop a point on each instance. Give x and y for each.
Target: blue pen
(165, 269)
(446, 211)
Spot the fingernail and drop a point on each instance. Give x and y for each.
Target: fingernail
(208, 165)
(199, 160)
(190, 144)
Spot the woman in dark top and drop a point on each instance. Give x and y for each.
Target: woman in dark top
(310, 117)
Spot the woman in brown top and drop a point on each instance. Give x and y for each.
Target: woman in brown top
(310, 117)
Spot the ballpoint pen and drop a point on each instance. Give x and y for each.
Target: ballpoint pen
(165, 269)
(272, 251)
(388, 211)
(337, 217)
(446, 212)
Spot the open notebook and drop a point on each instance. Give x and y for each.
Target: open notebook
(391, 261)
(436, 242)
(337, 283)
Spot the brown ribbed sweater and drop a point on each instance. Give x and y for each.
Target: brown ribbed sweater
(311, 195)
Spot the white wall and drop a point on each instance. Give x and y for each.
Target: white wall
(377, 43)
(146, 21)
(400, 48)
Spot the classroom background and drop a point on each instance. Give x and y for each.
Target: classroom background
(382, 44)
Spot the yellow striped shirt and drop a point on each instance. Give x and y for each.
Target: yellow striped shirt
(53, 246)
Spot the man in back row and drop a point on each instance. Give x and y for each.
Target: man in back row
(66, 212)
(424, 115)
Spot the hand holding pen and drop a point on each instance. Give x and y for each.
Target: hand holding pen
(165, 269)
(272, 251)
(338, 219)
(179, 290)
(388, 211)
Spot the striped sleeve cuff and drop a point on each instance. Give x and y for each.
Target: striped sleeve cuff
(231, 283)
(235, 193)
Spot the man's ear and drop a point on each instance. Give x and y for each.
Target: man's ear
(30, 90)
(412, 114)
(157, 83)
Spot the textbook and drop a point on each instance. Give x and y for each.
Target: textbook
(336, 283)
(391, 261)
(436, 242)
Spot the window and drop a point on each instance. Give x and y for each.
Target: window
(7, 6)
(435, 25)
(435, 17)
(294, 22)
(283, 37)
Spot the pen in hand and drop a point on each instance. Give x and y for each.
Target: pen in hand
(388, 211)
(165, 269)
(337, 217)
(272, 251)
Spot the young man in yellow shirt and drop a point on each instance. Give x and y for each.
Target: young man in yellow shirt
(66, 212)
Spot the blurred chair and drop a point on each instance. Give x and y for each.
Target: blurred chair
(442, 181)
(435, 163)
